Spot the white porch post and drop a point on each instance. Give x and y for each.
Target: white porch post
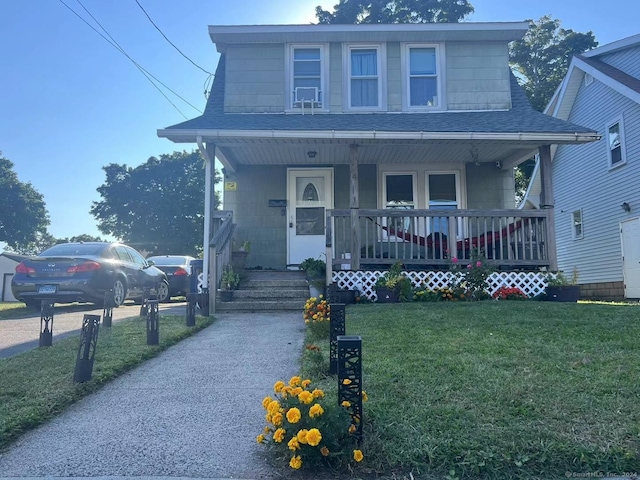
(208, 153)
(548, 203)
(354, 205)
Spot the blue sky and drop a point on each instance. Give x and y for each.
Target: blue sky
(70, 103)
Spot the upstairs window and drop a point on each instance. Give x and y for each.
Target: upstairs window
(423, 76)
(615, 143)
(307, 76)
(365, 77)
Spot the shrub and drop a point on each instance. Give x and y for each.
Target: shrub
(510, 293)
(306, 431)
(316, 316)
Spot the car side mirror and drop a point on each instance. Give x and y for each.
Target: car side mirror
(151, 263)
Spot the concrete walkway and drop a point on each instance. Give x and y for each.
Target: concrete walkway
(193, 411)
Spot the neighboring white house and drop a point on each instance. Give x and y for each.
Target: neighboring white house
(8, 262)
(597, 185)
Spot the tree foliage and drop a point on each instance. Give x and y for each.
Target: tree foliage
(23, 213)
(541, 59)
(395, 11)
(157, 206)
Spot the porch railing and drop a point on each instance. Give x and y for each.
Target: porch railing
(222, 228)
(429, 239)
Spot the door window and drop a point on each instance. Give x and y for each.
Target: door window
(310, 215)
(443, 195)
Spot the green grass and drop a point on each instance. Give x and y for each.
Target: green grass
(498, 389)
(37, 385)
(13, 310)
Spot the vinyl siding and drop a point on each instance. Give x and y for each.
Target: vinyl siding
(265, 227)
(477, 76)
(582, 180)
(255, 79)
(490, 188)
(626, 60)
(394, 78)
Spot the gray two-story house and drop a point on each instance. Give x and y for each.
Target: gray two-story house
(372, 144)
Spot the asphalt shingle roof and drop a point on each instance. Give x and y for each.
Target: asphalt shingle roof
(522, 118)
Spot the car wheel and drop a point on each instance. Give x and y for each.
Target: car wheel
(119, 292)
(163, 291)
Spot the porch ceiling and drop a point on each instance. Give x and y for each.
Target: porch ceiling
(235, 152)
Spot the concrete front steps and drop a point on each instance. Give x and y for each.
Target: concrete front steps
(262, 290)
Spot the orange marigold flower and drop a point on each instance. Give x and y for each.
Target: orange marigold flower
(260, 438)
(295, 381)
(302, 436)
(346, 381)
(273, 407)
(294, 444)
(278, 435)
(346, 404)
(317, 393)
(314, 437)
(278, 386)
(295, 462)
(266, 401)
(316, 410)
(365, 397)
(305, 397)
(306, 383)
(357, 455)
(276, 419)
(352, 428)
(324, 451)
(293, 415)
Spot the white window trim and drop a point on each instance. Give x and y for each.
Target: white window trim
(414, 183)
(573, 228)
(440, 73)
(324, 75)
(382, 76)
(623, 150)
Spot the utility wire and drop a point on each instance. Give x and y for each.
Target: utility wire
(170, 42)
(144, 72)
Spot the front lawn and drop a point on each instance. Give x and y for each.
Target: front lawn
(498, 389)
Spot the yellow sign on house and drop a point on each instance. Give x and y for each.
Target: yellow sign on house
(230, 186)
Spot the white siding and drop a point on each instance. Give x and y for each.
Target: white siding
(582, 180)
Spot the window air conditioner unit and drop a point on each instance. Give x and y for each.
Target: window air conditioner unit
(306, 96)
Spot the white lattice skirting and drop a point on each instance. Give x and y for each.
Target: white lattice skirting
(531, 283)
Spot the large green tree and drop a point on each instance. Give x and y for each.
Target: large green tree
(395, 11)
(23, 213)
(541, 59)
(157, 206)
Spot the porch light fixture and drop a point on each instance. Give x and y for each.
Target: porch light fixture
(626, 207)
(311, 153)
(473, 151)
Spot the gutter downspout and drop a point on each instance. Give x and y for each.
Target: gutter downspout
(207, 212)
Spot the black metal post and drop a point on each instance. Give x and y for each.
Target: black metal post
(87, 348)
(46, 323)
(204, 302)
(191, 309)
(332, 291)
(350, 377)
(107, 311)
(337, 321)
(144, 306)
(153, 323)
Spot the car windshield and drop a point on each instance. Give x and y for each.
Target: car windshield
(168, 260)
(73, 249)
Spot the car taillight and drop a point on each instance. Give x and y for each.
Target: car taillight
(22, 268)
(84, 267)
(180, 271)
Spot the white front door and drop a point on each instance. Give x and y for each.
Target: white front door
(309, 195)
(630, 233)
